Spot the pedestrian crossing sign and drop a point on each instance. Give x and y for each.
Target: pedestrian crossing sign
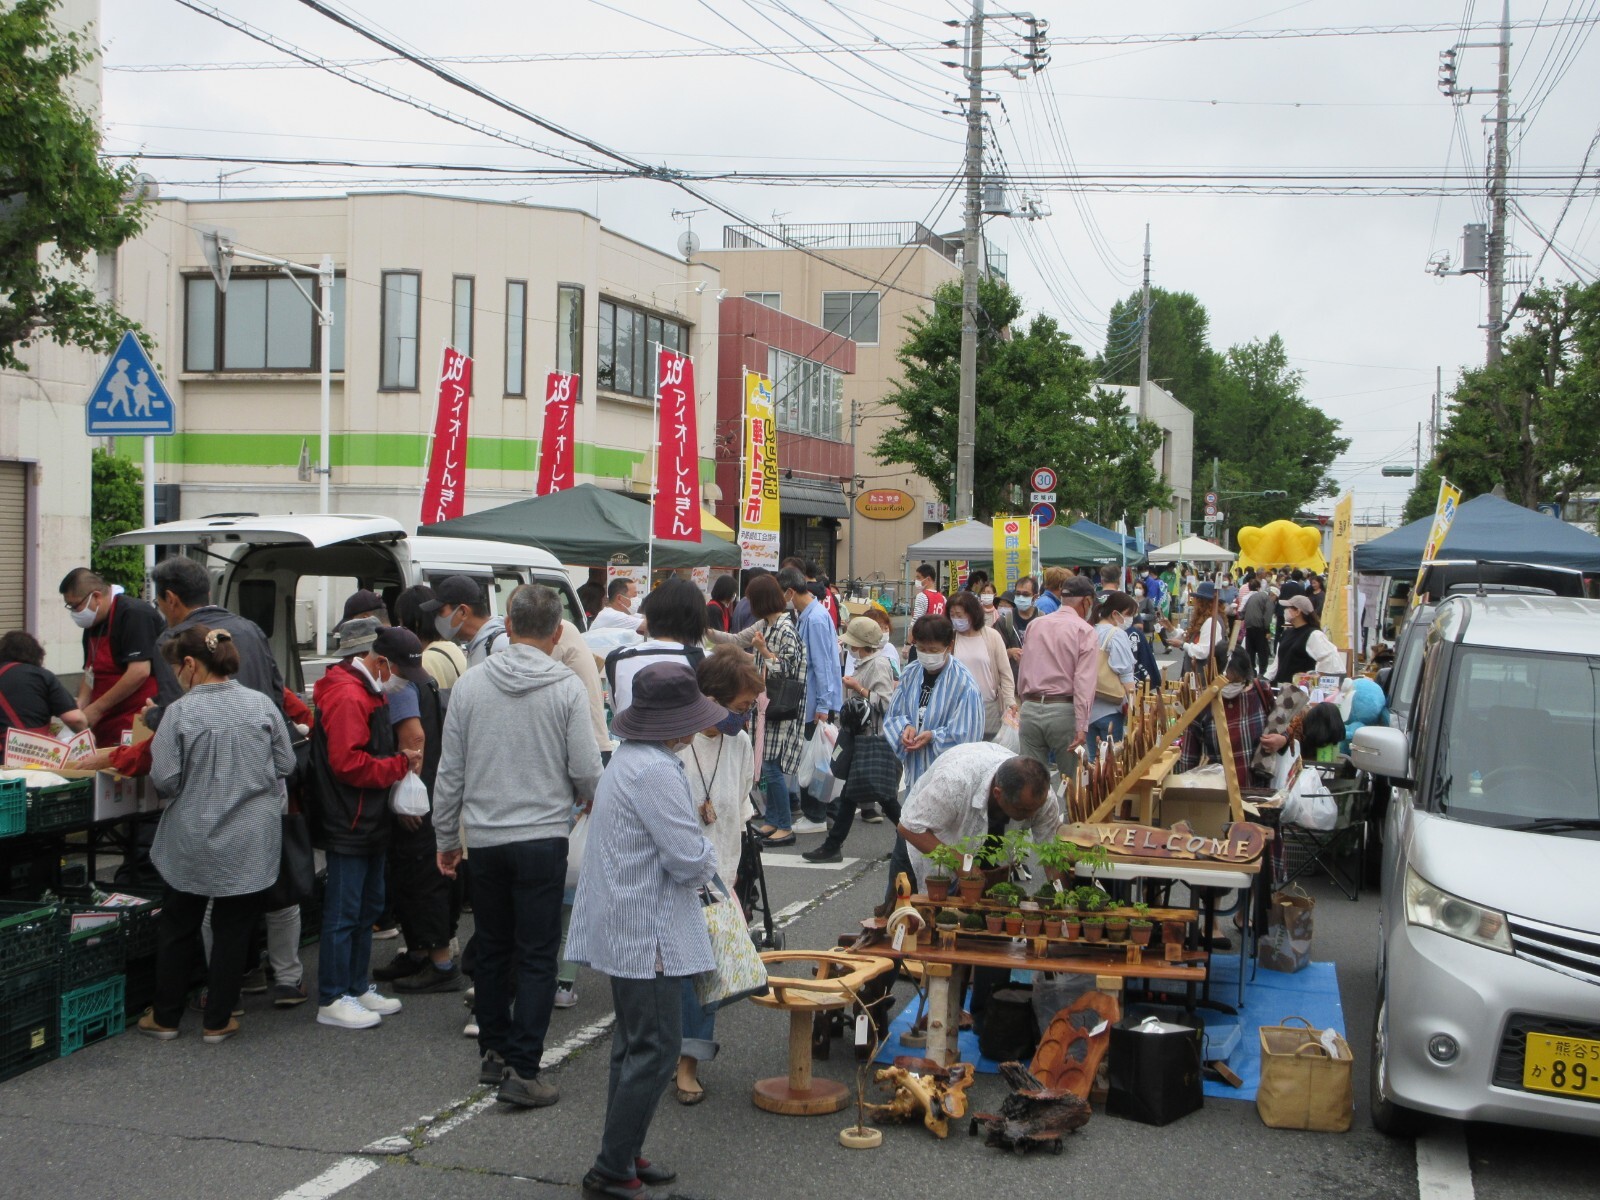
(130, 398)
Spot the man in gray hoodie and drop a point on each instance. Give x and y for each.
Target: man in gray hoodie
(518, 756)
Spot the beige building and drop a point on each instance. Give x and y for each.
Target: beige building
(1175, 459)
(525, 290)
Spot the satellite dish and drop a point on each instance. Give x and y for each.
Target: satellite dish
(144, 186)
(688, 243)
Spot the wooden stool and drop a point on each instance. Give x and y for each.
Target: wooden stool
(839, 979)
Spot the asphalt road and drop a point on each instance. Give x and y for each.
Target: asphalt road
(292, 1109)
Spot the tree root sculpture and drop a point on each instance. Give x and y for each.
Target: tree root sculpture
(922, 1086)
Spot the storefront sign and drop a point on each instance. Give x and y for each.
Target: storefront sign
(1013, 550)
(556, 443)
(675, 507)
(1243, 842)
(758, 498)
(1444, 515)
(444, 495)
(888, 505)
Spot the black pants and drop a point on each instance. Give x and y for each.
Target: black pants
(516, 904)
(425, 903)
(1257, 647)
(843, 811)
(178, 946)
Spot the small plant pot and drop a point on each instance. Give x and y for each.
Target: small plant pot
(1139, 935)
(1032, 926)
(1117, 929)
(938, 888)
(1014, 928)
(994, 922)
(970, 884)
(1173, 932)
(1094, 931)
(1071, 928)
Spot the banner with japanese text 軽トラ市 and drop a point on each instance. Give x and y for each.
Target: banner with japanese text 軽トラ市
(758, 497)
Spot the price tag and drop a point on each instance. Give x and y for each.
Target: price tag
(1059, 889)
(899, 938)
(861, 1030)
(966, 862)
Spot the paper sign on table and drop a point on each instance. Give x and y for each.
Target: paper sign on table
(24, 749)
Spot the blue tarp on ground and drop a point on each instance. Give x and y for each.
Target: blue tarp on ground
(1485, 527)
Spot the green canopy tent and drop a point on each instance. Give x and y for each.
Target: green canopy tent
(1060, 545)
(586, 526)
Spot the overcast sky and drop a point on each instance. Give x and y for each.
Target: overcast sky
(1342, 279)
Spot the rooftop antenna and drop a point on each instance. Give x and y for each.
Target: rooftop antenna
(688, 241)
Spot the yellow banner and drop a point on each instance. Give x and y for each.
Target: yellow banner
(1336, 609)
(1444, 515)
(1013, 550)
(758, 497)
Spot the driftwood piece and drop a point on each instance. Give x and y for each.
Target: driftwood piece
(923, 1086)
(1033, 1117)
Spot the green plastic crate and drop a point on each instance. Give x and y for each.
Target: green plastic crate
(67, 805)
(29, 1018)
(30, 935)
(94, 954)
(13, 807)
(91, 1014)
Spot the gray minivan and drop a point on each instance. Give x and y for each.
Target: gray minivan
(1489, 959)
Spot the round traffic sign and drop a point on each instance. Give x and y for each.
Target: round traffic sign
(1045, 515)
(1044, 480)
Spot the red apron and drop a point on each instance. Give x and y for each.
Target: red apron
(106, 672)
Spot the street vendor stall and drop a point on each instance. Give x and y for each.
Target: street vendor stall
(1489, 528)
(1191, 549)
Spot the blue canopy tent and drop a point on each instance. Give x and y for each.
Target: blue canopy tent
(1486, 527)
(1136, 549)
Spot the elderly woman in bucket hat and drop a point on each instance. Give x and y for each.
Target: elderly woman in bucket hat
(637, 917)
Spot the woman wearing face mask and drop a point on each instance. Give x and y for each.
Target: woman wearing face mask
(982, 651)
(1107, 716)
(720, 765)
(937, 704)
(781, 655)
(220, 758)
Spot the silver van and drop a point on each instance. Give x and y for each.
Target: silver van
(1489, 956)
(268, 567)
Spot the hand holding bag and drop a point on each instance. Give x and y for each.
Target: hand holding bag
(409, 797)
(577, 843)
(739, 971)
(1305, 1078)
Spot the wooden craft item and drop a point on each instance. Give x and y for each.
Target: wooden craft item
(1032, 1117)
(937, 1093)
(1069, 1055)
(1167, 738)
(1242, 842)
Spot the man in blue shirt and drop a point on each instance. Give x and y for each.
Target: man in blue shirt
(1050, 599)
(824, 689)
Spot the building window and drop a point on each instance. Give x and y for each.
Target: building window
(516, 337)
(260, 324)
(770, 299)
(853, 315)
(810, 395)
(402, 293)
(461, 314)
(569, 329)
(628, 338)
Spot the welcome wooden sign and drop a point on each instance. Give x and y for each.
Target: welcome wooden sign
(1242, 842)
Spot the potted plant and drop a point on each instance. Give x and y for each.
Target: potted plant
(1139, 931)
(972, 922)
(1013, 923)
(970, 883)
(1059, 858)
(1006, 893)
(994, 920)
(948, 918)
(1071, 926)
(1032, 923)
(1094, 927)
(1048, 898)
(1117, 927)
(1091, 899)
(943, 861)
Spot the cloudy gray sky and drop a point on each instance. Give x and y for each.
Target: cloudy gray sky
(1342, 279)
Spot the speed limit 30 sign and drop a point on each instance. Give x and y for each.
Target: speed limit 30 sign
(1043, 480)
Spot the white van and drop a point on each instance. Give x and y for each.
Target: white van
(268, 567)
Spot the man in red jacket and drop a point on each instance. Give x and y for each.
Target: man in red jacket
(354, 762)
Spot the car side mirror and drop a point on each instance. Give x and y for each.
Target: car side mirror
(1379, 750)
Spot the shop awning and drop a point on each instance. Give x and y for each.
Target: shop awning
(812, 498)
(710, 524)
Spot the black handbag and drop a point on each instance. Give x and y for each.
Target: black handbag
(784, 697)
(297, 869)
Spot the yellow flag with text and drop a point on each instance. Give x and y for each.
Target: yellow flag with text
(758, 495)
(1444, 515)
(1013, 550)
(1337, 608)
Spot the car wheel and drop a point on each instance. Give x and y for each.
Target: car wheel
(1388, 1117)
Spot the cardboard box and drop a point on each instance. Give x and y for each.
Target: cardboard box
(117, 796)
(1206, 809)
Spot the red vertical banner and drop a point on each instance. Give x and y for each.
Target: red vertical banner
(444, 495)
(676, 504)
(555, 444)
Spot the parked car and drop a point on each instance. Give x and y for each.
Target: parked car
(268, 566)
(1489, 956)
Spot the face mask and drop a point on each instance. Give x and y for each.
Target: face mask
(986, 600)
(84, 617)
(395, 683)
(633, 604)
(932, 661)
(443, 627)
(1024, 603)
(960, 624)
(731, 724)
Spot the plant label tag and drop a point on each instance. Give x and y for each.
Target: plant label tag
(899, 938)
(1059, 888)
(966, 862)
(861, 1029)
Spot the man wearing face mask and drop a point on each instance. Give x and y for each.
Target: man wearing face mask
(1024, 602)
(824, 681)
(1060, 660)
(354, 763)
(622, 607)
(461, 614)
(119, 650)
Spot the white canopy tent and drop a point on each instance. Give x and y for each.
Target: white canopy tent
(968, 540)
(1191, 549)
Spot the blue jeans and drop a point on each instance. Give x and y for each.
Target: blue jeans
(1109, 726)
(699, 1027)
(354, 900)
(516, 904)
(780, 810)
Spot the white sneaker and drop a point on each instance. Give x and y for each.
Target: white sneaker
(347, 1013)
(384, 1006)
(471, 1029)
(566, 997)
(805, 826)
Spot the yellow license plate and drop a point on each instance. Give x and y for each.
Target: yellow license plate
(1564, 1066)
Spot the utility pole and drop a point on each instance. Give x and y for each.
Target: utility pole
(972, 238)
(1433, 423)
(1417, 469)
(1144, 328)
(1497, 192)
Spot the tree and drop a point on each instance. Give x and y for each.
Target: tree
(1034, 408)
(1181, 359)
(116, 505)
(60, 204)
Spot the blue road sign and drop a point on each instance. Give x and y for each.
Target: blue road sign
(130, 398)
(1044, 515)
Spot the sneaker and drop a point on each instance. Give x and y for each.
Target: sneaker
(471, 1028)
(347, 1013)
(527, 1093)
(472, 994)
(382, 933)
(384, 1006)
(566, 997)
(198, 1003)
(431, 979)
(287, 995)
(398, 967)
(825, 853)
(491, 1067)
(254, 982)
(870, 815)
(215, 1037)
(804, 825)
(148, 1026)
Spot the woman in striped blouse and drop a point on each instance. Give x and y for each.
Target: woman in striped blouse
(220, 758)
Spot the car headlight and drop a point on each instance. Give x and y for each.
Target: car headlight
(1436, 909)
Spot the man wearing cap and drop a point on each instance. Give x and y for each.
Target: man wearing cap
(1060, 660)
(365, 603)
(519, 755)
(637, 916)
(869, 674)
(460, 613)
(354, 763)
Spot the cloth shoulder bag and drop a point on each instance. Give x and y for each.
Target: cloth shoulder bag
(1107, 683)
(739, 971)
(1305, 1078)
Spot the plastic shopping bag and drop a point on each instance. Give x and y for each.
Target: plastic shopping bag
(1009, 737)
(409, 797)
(1309, 804)
(816, 769)
(577, 843)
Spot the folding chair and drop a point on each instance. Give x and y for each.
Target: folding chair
(1332, 851)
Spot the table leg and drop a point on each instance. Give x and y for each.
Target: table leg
(940, 1034)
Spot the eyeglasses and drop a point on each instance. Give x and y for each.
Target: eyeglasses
(77, 606)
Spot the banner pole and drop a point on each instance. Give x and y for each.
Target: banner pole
(744, 477)
(538, 455)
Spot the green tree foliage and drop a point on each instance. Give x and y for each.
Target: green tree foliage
(1034, 407)
(1181, 359)
(116, 505)
(60, 204)
(1528, 423)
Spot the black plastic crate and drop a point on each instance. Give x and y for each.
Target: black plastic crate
(29, 1018)
(139, 985)
(30, 935)
(94, 954)
(67, 805)
(138, 920)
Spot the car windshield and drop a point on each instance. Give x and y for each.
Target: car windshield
(1521, 741)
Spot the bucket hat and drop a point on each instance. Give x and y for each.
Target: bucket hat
(667, 704)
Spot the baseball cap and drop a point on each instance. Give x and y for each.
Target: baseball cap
(403, 649)
(1077, 586)
(1302, 603)
(452, 591)
(363, 602)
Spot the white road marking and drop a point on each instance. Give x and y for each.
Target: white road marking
(334, 1180)
(1444, 1172)
(794, 860)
